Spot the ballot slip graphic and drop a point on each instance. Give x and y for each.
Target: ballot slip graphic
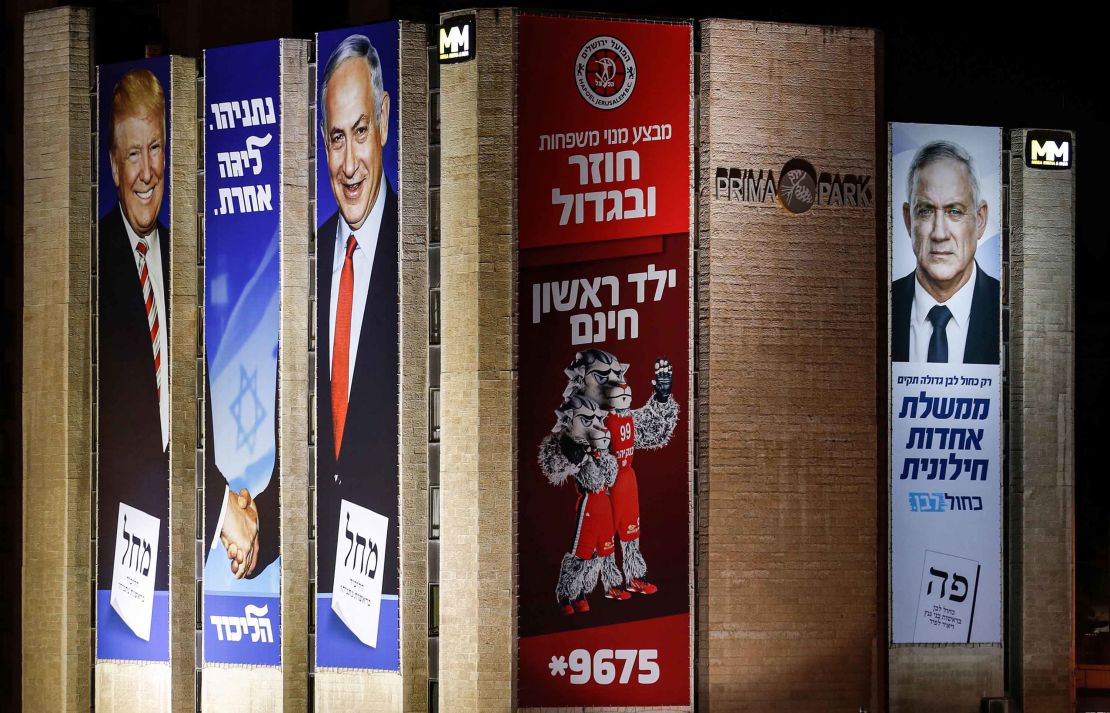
(136, 561)
(359, 556)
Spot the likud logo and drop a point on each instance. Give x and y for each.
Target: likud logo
(457, 42)
(605, 72)
(797, 188)
(1048, 150)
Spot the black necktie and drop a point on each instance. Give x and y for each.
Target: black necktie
(938, 343)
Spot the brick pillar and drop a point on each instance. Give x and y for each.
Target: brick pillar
(297, 141)
(788, 466)
(1042, 428)
(57, 361)
(477, 616)
(184, 291)
(413, 206)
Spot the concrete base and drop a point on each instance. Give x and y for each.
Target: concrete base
(241, 689)
(132, 686)
(943, 679)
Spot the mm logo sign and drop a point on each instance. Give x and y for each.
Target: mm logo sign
(457, 42)
(1048, 150)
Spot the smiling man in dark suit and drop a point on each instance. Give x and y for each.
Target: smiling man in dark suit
(947, 309)
(134, 334)
(133, 260)
(357, 313)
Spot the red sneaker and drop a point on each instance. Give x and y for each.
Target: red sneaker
(617, 593)
(566, 609)
(640, 586)
(581, 606)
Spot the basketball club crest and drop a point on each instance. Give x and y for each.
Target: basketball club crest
(605, 72)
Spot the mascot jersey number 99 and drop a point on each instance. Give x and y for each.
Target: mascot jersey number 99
(594, 440)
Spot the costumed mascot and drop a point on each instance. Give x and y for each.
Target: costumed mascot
(578, 448)
(601, 377)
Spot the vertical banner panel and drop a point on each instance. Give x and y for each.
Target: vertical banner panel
(604, 210)
(946, 384)
(357, 365)
(242, 572)
(133, 199)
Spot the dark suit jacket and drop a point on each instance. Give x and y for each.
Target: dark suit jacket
(366, 472)
(982, 329)
(132, 465)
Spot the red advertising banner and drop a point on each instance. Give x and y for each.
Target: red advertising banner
(604, 130)
(604, 488)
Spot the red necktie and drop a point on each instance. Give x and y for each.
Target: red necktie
(151, 313)
(341, 349)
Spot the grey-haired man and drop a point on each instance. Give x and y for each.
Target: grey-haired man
(357, 283)
(947, 309)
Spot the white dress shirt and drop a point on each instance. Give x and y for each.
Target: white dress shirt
(157, 287)
(363, 261)
(921, 329)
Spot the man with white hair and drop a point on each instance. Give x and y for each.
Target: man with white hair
(947, 309)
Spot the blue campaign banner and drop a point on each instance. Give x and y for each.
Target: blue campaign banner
(245, 629)
(342, 649)
(116, 640)
(945, 217)
(242, 201)
(358, 478)
(132, 508)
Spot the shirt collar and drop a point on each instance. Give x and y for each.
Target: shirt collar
(958, 304)
(134, 237)
(367, 235)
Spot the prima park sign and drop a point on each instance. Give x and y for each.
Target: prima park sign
(797, 187)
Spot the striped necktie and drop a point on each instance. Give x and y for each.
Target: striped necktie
(151, 313)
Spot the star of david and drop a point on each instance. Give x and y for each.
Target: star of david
(247, 410)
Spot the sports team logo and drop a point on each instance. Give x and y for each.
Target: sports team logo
(605, 72)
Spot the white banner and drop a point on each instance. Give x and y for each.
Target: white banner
(946, 384)
(359, 570)
(945, 501)
(133, 569)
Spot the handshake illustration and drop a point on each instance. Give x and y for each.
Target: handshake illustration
(239, 533)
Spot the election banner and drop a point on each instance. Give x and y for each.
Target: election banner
(946, 384)
(133, 288)
(603, 485)
(242, 200)
(358, 348)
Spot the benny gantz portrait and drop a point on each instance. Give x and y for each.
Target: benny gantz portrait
(357, 313)
(947, 309)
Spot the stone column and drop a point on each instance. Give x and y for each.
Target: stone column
(184, 344)
(788, 373)
(57, 361)
(1042, 429)
(296, 139)
(477, 613)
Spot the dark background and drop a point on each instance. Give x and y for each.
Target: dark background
(1020, 68)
